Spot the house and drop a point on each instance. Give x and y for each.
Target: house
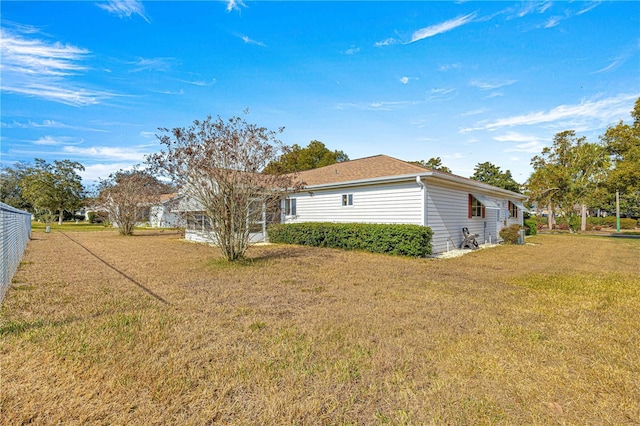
(163, 214)
(382, 189)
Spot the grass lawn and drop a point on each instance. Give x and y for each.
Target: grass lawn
(103, 329)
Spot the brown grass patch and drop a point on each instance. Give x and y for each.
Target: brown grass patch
(538, 334)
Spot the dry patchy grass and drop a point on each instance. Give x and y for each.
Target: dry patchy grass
(103, 329)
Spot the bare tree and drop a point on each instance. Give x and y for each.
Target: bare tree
(217, 165)
(128, 195)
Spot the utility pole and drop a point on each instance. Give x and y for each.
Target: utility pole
(618, 211)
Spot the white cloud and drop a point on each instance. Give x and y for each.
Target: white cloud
(386, 42)
(234, 5)
(523, 143)
(95, 172)
(40, 68)
(57, 140)
(615, 62)
(351, 51)
(124, 8)
(151, 64)
(442, 27)
(148, 135)
(589, 6)
(376, 106)
(483, 85)
(448, 67)
(404, 80)
(248, 40)
(440, 94)
(136, 153)
(589, 114)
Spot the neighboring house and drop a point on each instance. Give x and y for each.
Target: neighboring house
(382, 189)
(164, 214)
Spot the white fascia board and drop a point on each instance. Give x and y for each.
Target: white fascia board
(364, 182)
(479, 185)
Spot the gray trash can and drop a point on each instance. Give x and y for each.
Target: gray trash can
(521, 236)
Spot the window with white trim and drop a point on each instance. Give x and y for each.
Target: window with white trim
(289, 206)
(513, 210)
(476, 208)
(347, 199)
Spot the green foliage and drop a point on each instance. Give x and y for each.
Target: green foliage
(404, 240)
(53, 188)
(610, 222)
(297, 159)
(531, 226)
(434, 163)
(492, 175)
(510, 234)
(10, 191)
(571, 172)
(622, 142)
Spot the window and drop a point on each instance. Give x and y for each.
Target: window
(513, 210)
(476, 208)
(347, 199)
(290, 206)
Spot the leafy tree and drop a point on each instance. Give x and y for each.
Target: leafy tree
(128, 195)
(434, 163)
(622, 142)
(572, 172)
(216, 164)
(10, 191)
(53, 188)
(297, 159)
(491, 174)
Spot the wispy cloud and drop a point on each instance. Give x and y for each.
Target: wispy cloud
(615, 62)
(589, 6)
(151, 64)
(441, 94)
(124, 8)
(199, 83)
(528, 7)
(57, 140)
(248, 40)
(404, 79)
(40, 68)
(135, 153)
(375, 106)
(485, 85)
(447, 67)
(51, 124)
(95, 172)
(234, 5)
(351, 51)
(522, 142)
(442, 27)
(587, 115)
(386, 42)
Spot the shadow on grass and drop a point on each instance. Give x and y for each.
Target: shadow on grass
(148, 291)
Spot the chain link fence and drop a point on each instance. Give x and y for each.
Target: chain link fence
(15, 230)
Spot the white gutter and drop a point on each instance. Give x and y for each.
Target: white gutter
(423, 190)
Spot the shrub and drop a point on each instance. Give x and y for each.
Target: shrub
(531, 226)
(404, 240)
(626, 223)
(510, 234)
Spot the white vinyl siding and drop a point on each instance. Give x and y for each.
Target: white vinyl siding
(384, 203)
(448, 212)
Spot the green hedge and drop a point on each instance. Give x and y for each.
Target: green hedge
(610, 221)
(510, 234)
(531, 226)
(403, 240)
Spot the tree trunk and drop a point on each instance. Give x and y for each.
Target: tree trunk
(549, 217)
(583, 224)
(60, 216)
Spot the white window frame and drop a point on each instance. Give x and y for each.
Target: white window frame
(347, 200)
(290, 207)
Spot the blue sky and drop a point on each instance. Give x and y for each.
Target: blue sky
(467, 81)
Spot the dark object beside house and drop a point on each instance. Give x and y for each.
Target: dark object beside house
(469, 240)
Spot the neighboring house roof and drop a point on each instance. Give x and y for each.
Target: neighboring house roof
(382, 168)
(362, 168)
(168, 197)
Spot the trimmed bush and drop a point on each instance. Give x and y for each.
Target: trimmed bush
(531, 226)
(403, 240)
(510, 234)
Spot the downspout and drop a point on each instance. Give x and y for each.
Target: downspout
(423, 189)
